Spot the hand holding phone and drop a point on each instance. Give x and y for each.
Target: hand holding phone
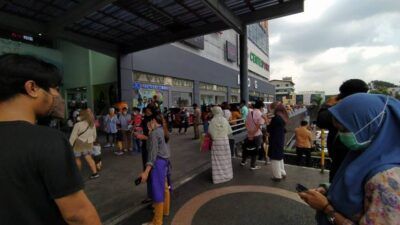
(138, 181)
(301, 188)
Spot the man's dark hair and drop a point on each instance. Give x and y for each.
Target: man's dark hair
(259, 104)
(159, 118)
(304, 123)
(16, 69)
(352, 86)
(243, 102)
(194, 105)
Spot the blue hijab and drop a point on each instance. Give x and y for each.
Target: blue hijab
(370, 117)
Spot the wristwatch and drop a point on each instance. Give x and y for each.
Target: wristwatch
(331, 216)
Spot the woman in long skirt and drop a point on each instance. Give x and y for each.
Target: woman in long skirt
(276, 131)
(221, 161)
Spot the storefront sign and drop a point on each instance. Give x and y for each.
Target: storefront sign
(258, 61)
(138, 86)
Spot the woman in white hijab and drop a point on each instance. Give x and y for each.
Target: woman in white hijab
(220, 152)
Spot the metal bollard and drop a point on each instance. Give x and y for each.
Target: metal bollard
(323, 151)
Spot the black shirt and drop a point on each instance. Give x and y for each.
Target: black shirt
(36, 166)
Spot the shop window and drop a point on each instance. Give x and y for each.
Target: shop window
(207, 99)
(234, 99)
(181, 99)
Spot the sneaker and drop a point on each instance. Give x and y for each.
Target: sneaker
(243, 163)
(107, 146)
(118, 153)
(94, 176)
(255, 168)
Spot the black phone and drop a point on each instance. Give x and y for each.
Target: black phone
(301, 188)
(138, 181)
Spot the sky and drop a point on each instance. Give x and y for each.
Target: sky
(336, 40)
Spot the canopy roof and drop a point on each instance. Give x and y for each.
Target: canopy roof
(123, 26)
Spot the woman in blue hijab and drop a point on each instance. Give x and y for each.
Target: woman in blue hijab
(366, 189)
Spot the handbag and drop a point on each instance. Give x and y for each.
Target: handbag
(250, 144)
(206, 144)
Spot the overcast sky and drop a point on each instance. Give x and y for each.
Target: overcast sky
(335, 40)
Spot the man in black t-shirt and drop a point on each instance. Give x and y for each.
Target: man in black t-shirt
(39, 180)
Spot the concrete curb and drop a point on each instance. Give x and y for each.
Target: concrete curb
(130, 211)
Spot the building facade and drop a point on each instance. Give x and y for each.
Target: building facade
(202, 70)
(285, 91)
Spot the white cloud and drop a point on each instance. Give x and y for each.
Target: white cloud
(313, 9)
(345, 39)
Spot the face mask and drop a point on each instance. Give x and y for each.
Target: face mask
(58, 108)
(78, 118)
(350, 141)
(349, 138)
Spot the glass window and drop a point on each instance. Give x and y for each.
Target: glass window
(259, 37)
(234, 99)
(181, 99)
(207, 99)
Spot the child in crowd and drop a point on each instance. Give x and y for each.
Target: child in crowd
(119, 150)
(96, 154)
(136, 127)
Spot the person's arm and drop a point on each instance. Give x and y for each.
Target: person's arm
(62, 180)
(95, 133)
(74, 135)
(76, 209)
(383, 199)
(319, 202)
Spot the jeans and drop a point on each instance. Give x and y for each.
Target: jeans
(136, 145)
(183, 125)
(205, 126)
(113, 137)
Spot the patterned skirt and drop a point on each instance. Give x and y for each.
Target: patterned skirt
(221, 161)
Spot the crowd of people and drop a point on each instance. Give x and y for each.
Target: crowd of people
(40, 175)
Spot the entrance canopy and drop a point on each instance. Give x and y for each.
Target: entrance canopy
(124, 26)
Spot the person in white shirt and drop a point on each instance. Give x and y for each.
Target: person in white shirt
(82, 138)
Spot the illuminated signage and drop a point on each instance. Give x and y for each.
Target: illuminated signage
(258, 61)
(138, 86)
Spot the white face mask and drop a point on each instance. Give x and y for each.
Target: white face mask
(78, 118)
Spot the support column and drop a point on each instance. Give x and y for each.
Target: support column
(196, 92)
(244, 89)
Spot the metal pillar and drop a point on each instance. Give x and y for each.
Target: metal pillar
(244, 88)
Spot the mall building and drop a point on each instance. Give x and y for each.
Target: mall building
(202, 70)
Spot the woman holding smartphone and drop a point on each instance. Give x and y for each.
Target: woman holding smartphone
(157, 170)
(366, 188)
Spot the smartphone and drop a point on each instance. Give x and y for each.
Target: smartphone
(138, 181)
(301, 188)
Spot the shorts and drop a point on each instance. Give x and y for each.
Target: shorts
(82, 153)
(97, 158)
